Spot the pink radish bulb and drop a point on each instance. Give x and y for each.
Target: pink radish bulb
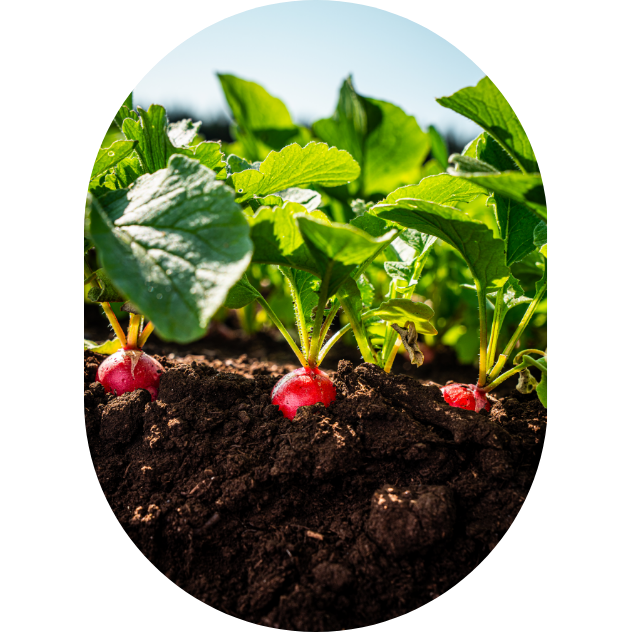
(302, 387)
(466, 396)
(127, 370)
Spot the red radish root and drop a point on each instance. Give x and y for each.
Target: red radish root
(466, 396)
(127, 370)
(302, 387)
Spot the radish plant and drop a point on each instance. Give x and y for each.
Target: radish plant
(500, 164)
(174, 225)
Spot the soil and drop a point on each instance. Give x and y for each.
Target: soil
(345, 517)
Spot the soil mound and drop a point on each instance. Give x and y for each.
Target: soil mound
(345, 517)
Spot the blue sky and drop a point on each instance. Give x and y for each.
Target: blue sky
(301, 52)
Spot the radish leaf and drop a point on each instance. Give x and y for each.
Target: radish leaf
(241, 294)
(388, 143)
(337, 249)
(278, 240)
(175, 243)
(109, 156)
(483, 254)
(399, 311)
(295, 166)
(486, 106)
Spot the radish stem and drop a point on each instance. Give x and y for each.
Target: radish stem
(132, 331)
(149, 327)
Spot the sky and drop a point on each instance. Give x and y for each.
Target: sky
(302, 51)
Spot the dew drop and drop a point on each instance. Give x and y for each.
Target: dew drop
(110, 153)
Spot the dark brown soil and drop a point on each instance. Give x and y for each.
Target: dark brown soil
(345, 517)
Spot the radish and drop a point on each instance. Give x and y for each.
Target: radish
(129, 369)
(302, 387)
(466, 396)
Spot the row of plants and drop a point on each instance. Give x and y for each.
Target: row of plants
(349, 219)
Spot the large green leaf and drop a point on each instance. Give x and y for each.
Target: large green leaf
(441, 189)
(516, 221)
(337, 249)
(388, 143)
(263, 121)
(296, 166)
(521, 187)
(277, 239)
(175, 244)
(252, 106)
(347, 128)
(517, 224)
(402, 310)
(484, 255)
(394, 151)
(485, 105)
(109, 156)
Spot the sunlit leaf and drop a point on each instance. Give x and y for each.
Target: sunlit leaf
(175, 244)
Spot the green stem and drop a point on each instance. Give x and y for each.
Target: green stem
(300, 316)
(524, 364)
(391, 358)
(497, 323)
(275, 319)
(519, 355)
(132, 331)
(149, 327)
(482, 316)
(335, 306)
(332, 341)
(366, 349)
(323, 297)
(502, 359)
(389, 351)
(390, 335)
(505, 376)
